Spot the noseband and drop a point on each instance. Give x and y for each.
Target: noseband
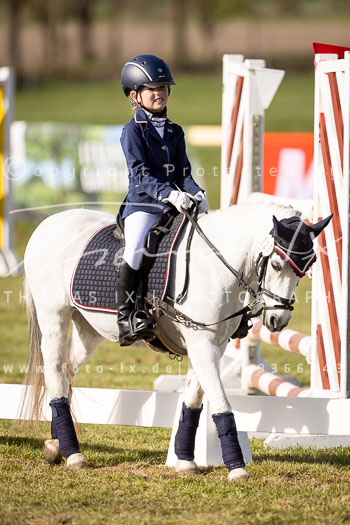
(283, 303)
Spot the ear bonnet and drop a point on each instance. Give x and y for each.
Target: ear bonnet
(294, 241)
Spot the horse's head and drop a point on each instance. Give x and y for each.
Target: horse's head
(285, 256)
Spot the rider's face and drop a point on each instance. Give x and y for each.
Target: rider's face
(153, 99)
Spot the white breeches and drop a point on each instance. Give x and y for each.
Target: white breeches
(136, 227)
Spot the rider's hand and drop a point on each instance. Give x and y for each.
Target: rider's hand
(179, 199)
(202, 202)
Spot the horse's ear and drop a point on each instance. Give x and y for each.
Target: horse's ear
(281, 231)
(316, 229)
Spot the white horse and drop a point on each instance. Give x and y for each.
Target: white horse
(214, 293)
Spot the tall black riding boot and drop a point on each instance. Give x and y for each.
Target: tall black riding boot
(127, 281)
(132, 324)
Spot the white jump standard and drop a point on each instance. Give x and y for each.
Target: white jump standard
(330, 366)
(329, 375)
(8, 259)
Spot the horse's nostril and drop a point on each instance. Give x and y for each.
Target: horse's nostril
(273, 322)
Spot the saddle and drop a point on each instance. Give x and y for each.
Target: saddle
(93, 282)
(155, 235)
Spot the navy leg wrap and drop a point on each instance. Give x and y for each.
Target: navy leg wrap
(62, 427)
(231, 449)
(186, 434)
(54, 434)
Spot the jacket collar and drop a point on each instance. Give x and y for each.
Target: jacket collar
(140, 117)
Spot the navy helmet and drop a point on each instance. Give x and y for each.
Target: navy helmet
(145, 70)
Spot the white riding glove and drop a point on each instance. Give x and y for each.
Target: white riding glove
(203, 205)
(179, 199)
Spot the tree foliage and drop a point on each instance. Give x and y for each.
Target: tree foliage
(56, 20)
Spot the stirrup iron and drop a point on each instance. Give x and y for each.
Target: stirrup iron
(141, 325)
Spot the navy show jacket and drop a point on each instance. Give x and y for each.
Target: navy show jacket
(156, 165)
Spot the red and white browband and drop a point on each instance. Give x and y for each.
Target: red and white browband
(301, 263)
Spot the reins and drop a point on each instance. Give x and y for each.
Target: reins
(261, 266)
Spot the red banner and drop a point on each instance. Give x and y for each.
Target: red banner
(288, 165)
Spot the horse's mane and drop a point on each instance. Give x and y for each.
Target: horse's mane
(261, 207)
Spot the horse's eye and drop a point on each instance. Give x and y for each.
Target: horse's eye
(276, 266)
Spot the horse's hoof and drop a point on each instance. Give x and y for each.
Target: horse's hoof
(186, 468)
(76, 462)
(238, 474)
(52, 452)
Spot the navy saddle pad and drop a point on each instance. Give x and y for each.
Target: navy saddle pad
(93, 282)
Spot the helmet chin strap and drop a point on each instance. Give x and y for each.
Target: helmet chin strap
(140, 103)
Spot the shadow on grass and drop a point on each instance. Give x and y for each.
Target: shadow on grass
(112, 456)
(20, 441)
(304, 456)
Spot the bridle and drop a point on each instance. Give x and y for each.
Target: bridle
(260, 265)
(283, 303)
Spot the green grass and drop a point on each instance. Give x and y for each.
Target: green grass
(209, 160)
(292, 108)
(196, 99)
(128, 484)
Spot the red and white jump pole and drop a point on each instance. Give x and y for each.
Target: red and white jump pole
(257, 376)
(270, 383)
(287, 339)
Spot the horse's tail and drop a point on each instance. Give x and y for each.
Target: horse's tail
(32, 401)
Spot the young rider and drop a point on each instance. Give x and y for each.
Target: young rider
(159, 174)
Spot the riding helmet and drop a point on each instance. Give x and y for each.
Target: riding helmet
(145, 70)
